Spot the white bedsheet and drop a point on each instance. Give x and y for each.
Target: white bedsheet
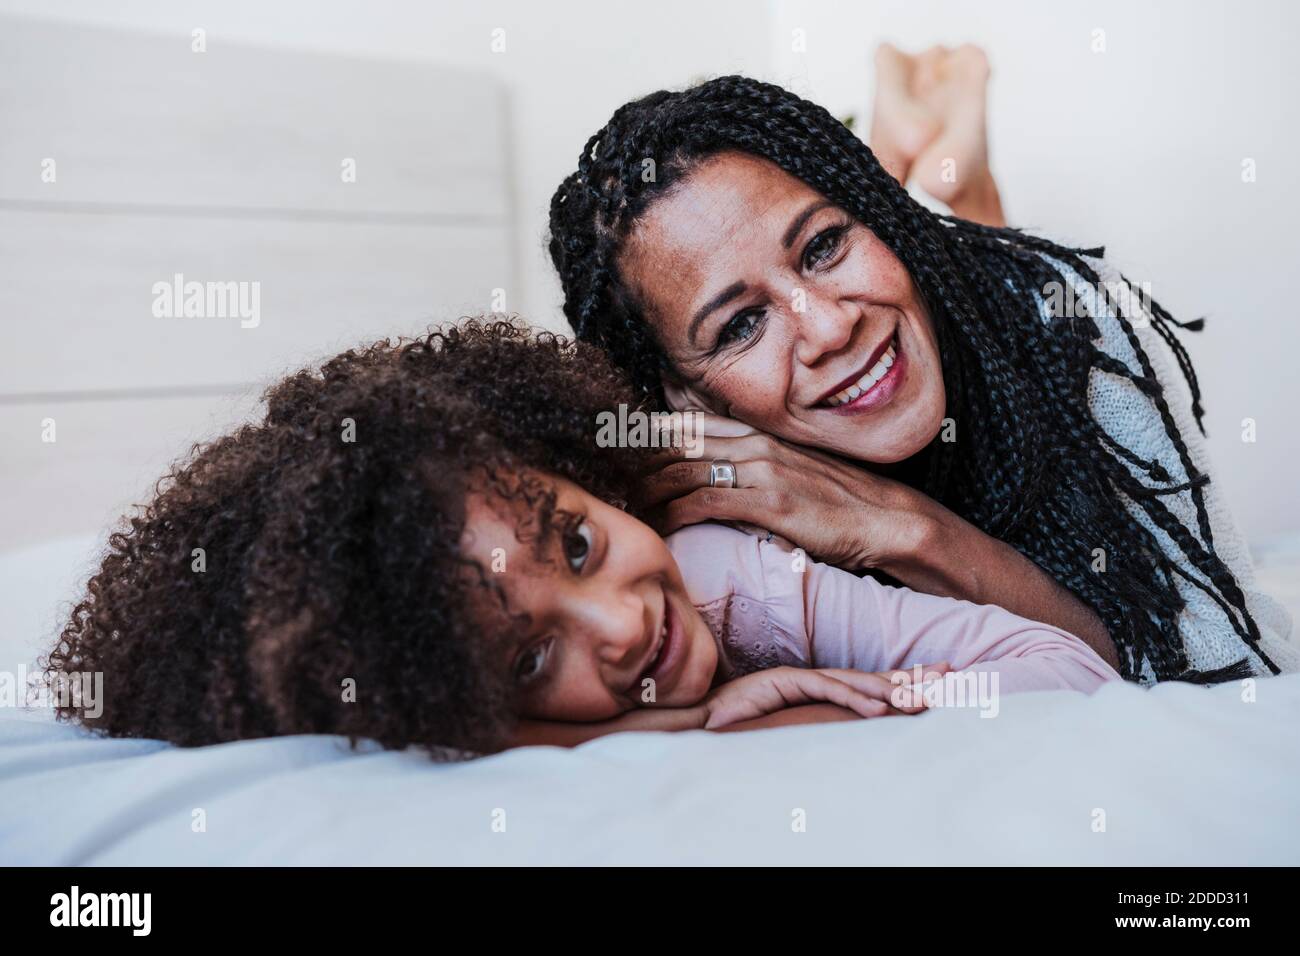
(1183, 775)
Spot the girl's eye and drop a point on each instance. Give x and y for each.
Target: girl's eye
(577, 546)
(532, 663)
(740, 327)
(822, 247)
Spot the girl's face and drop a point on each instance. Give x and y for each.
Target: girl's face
(608, 609)
(778, 308)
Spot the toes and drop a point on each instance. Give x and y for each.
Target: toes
(971, 61)
(929, 69)
(889, 56)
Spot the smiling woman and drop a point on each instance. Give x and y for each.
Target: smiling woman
(773, 272)
(792, 347)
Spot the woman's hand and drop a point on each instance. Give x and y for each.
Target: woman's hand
(765, 692)
(834, 510)
(846, 516)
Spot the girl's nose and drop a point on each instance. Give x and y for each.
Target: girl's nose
(618, 630)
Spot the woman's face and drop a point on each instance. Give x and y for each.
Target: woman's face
(778, 308)
(610, 617)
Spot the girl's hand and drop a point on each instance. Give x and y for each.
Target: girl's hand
(836, 511)
(765, 692)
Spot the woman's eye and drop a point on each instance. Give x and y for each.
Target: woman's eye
(822, 247)
(740, 327)
(577, 546)
(532, 663)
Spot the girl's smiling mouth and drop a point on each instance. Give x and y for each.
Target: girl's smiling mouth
(872, 386)
(668, 652)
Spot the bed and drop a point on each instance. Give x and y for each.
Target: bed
(1174, 775)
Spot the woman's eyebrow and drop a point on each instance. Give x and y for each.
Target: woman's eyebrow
(717, 302)
(793, 232)
(736, 288)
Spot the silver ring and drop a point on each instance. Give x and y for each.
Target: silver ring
(722, 474)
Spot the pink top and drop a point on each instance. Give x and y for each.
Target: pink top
(766, 612)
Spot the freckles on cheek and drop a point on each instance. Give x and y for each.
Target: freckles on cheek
(722, 382)
(751, 387)
(893, 278)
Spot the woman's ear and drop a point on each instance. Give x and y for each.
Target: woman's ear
(684, 398)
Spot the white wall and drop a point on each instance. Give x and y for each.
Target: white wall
(1139, 147)
(127, 160)
(568, 64)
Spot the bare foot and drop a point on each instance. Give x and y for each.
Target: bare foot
(954, 166)
(901, 126)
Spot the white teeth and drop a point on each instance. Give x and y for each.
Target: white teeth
(654, 661)
(663, 642)
(864, 384)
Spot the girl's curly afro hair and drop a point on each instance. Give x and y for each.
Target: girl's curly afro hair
(329, 533)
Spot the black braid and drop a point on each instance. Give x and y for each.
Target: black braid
(1038, 472)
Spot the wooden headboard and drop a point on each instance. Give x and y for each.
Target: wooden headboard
(348, 199)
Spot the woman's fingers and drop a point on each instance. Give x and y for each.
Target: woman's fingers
(677, 477)
(755, 506)
(732, 447)
(689, 431)
(683, 477)
(672, 481)
(720, 426)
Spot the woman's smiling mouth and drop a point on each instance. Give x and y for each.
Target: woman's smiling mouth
(871, 387)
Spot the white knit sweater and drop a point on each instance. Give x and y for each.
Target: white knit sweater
(1130, 418)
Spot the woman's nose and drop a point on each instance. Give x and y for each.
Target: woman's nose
(824, 328)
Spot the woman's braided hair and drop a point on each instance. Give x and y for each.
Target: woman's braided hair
(1038, 472)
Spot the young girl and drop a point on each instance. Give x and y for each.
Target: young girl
(423, 544)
